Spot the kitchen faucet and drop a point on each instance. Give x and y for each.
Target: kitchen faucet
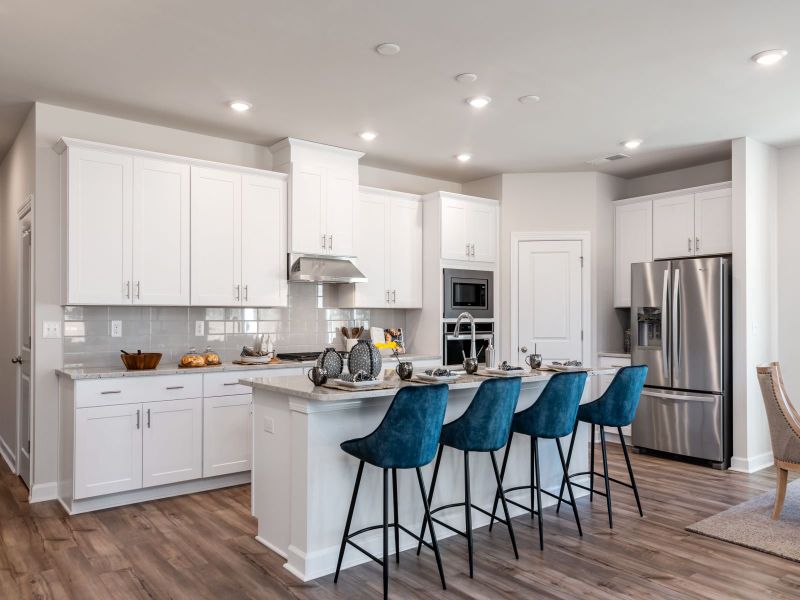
(466, 315)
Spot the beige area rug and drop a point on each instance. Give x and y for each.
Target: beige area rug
(750, 525)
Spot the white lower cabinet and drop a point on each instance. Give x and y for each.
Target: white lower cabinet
(172, 448)
(108, 449)
(227, 434)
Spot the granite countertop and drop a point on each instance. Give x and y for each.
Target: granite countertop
(114, 372)
(301, 387)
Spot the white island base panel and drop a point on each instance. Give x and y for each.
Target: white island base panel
(303, 481)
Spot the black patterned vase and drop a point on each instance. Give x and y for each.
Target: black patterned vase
(364, 356)
(332, 362)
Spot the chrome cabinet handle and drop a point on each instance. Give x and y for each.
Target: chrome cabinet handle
(387, 297)
(330, 242)
(175, 387)
(111, 392)
(238, 289)
(138, 290)
(128, 289)
(246, 293)
(689, 244)
(138, 418)
(697, 244)
(467, 249)
(148, 418)
(473, 250)
(324, 241)
(394, 296)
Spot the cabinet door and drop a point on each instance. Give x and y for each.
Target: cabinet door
(712, 222)
(216, 237)
(372, 244)
(172, 448)
(673, 227)
(455, 240)
(306, 209)
(263, 241)
(405, 253)
(161, 226)
(633, 243)
(108, 450)
(99, 218)
(227, 439)
(482, 227)
(340, 204)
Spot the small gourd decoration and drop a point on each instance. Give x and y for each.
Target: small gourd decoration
(332, 362)
(364, 356)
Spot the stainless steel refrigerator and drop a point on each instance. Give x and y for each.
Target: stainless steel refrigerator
(681, 329)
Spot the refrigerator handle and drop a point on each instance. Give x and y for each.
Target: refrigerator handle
(664, 327)
(676, 322)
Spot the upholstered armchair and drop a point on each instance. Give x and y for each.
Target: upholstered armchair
(784, 428)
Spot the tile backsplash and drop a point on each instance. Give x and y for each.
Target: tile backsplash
(309, 323)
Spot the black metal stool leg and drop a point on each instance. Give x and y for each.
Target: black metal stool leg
(630, 470)
(569, 458)
(349, 520)
(430, 495)
(386, 533)
(538, 492)
(468, 510)
(502, 475)
(533, 462)
(591, 465)
(396, 519)
(505, 506)
(605, 475)
(434, 543)
(569, 487)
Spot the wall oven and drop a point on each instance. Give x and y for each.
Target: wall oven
(452, 347)
(468, 291)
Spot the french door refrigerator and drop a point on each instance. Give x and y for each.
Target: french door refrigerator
(681, 329)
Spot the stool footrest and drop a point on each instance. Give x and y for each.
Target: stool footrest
(459, 505)
(533, 487)
(596, 474)
(396, 525)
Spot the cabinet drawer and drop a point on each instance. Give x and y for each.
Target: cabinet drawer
(125, 390)
(613, 362)
(227, 383)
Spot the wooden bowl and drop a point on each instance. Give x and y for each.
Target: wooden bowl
(141, 362)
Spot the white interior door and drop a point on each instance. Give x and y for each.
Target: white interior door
(172, 441)
(23, 358)
(550, 300)
(161, 225)
(216, 237)
(263, 241)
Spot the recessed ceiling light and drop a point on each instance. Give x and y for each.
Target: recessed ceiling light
(479, 101)
(387, 49)
(367, 136)
(769, 57)
(529, 99)
(240, 105)
(464, 157)
(466, 78)
(632, 144)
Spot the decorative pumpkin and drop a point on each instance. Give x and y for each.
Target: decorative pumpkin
(365, 357)
(332, 362)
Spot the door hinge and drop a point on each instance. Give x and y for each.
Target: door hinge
(581, 334)
(581, 262)
(29, 447)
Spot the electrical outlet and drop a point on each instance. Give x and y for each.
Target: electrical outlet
(199, 327)
(51, 329)
(116, 328)
(269, 424)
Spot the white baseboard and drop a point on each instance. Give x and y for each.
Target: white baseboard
(41, 492)
(751, 464)
(8, 455)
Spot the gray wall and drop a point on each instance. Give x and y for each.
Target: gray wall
(714, 172)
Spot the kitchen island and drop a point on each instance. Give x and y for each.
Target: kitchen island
(303, 482)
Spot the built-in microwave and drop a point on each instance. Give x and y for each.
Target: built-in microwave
(468, 291)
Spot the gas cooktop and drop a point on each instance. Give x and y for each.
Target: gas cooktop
(299, 356)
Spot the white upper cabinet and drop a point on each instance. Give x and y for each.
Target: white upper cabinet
(97, 197)
(389, 247)
(263, 241)
(673, 226)
(713, 229)
(469, 228)
(633, 243)
(323, 196)
(161, 225)
(216, 237)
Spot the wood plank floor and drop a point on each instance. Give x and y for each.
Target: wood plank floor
(202, 546)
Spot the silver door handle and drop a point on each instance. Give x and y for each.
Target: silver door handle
(676, 320)
(128, 290)
(330, 242)
(246, 293)
(138, 290)
(664, 325)
(467, 249)
(148, 418)
(394, 296)
(697, 244)
(175, 387)
(472, 252)
(324, 241)
(524, 349)
(17, 360)
(387, 297)
(237, 293)
(111, 392)
(668, 396)
(138, 419)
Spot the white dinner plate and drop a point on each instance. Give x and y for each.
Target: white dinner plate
(438, 378)
(356, 384)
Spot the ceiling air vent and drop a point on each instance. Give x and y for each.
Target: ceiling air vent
(606, 159)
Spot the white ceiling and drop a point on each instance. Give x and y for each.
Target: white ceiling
(676, 74)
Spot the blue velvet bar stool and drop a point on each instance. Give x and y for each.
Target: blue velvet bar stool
(615, 408)
(484, 427)
(552, 416)
(405, 439)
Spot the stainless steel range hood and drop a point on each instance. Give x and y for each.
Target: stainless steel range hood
(311, 268)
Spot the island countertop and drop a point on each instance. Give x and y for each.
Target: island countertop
(301, 387)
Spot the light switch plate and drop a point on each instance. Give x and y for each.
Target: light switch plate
(116, 328)
(199, 327)
(269, 425)
(51, 329)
